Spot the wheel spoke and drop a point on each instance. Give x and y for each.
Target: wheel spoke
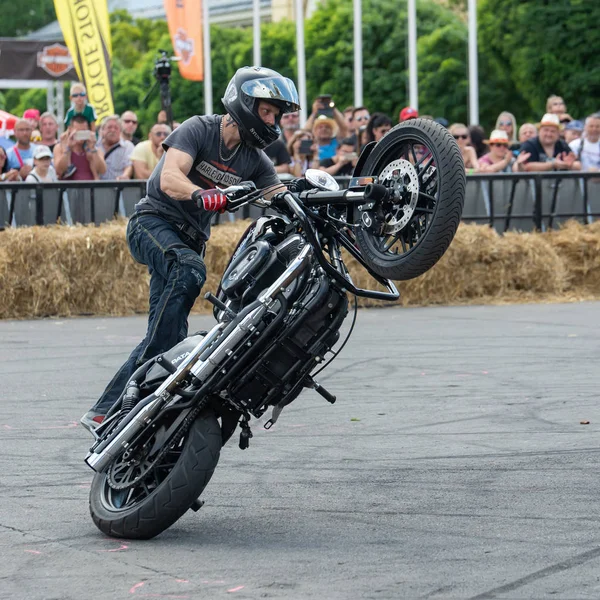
(391, 241)
(427, 196)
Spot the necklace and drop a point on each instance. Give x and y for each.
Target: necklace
(223, 159)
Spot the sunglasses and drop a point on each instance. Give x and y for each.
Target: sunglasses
(498, 144)
(129, 121)
(361, 118)
(463, 136)
(160, 134)
(505, 123)
(565, 120)
(80, 95)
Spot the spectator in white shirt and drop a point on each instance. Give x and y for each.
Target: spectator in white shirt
(587, 147)
(43, 171)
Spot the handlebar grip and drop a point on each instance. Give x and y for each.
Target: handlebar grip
(375, 192)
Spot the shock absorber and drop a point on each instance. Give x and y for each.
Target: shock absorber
(132, 395)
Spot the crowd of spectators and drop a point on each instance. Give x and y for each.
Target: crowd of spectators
(330, 140)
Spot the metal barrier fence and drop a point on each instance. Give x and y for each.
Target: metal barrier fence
(505, 201)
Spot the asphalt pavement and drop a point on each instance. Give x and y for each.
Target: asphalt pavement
(460, 461)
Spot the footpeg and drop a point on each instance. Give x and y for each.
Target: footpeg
(311, 383)
(197, 505)
(220, 305)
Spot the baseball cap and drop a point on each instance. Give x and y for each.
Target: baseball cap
(31, 113)
(574, 125)
(42, 151)
(408, 113)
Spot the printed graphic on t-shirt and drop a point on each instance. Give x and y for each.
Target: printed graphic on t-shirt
(215, 175)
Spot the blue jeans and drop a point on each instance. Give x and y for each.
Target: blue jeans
(177, 274)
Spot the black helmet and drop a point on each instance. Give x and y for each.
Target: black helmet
(246, 89)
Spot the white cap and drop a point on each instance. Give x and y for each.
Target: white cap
(42, 151)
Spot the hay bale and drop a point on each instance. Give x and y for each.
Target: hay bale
(59, 270)
(578, 246)
(63, 271)
(482, 266)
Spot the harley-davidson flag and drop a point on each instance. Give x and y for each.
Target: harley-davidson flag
(184, 18)
(85, 27)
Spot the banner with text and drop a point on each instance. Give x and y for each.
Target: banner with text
(184, 18)
(85, 27)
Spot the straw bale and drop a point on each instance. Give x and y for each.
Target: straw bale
(61, 271)
(481, 265)
(578, 246)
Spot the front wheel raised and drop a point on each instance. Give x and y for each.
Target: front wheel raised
(156, 498)
(421, 165)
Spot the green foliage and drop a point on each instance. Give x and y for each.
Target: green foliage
(544, 48)
(20, 18)
(528, 49)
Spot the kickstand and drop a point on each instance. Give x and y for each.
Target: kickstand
(246, 432)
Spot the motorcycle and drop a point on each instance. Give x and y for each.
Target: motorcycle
(279, 307)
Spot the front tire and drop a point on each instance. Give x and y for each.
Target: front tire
(194, 464)
(426, 226)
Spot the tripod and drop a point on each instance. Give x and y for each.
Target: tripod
(162, 73)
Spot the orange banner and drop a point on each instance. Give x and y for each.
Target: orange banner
(184, 18)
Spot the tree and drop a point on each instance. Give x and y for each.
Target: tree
(23, 17)
(544, 48)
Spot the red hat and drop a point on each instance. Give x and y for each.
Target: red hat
(408, 113)
(32, 113)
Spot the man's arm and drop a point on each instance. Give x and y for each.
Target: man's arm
(141, 170)
(341, 123)
(95, 157)
(538, 166)
(127, 173)
(62, 154)
(173, 178)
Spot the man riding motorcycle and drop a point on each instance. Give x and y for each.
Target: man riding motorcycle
(171, 225)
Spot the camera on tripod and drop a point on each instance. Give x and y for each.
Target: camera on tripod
(162, 66)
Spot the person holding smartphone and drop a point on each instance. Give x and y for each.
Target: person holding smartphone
(344, 161)
(76, 157)
(304, 153)
(324, 107)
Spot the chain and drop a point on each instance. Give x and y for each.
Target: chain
(176, 437)
(223, 159)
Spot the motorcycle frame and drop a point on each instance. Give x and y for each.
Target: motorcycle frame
(204, 362)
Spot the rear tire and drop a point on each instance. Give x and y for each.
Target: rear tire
(421, 252)
(171, 498)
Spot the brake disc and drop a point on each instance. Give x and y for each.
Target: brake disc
(400, 175)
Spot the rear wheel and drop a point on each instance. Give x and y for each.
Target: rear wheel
(421, 164)
(132, 501)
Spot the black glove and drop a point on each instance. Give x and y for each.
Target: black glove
(297, 185)
(233, 192)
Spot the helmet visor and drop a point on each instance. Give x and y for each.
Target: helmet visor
(277, 89)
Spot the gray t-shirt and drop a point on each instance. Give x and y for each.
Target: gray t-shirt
(199, 137)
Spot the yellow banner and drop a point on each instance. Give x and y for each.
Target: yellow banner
(184, 18)
(86, 30)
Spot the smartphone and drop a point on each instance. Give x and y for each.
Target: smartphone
(81, 136)
(305, 147)
(326, 105)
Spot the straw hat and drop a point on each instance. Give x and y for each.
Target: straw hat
(498, 136)
(549, 120)
(325, 120)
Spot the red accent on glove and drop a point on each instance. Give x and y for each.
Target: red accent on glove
(212, 200)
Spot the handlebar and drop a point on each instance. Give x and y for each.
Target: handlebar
(372, 192)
